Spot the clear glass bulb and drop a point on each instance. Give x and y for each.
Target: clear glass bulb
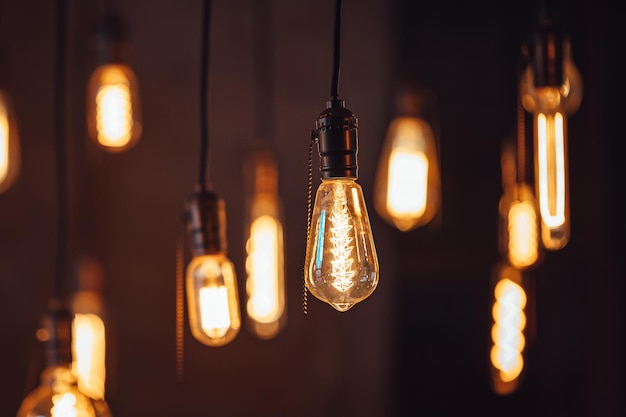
(507, 331)
(57, 396)
(519, 227)
(9, 144)
(113, 112)
(407, 193)
(550, 106)
(341, 261)
(212, 299)
(265, 282)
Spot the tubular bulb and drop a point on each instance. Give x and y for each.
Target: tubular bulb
(407, 193)
(519, 227)
(212, 299)
(114, 117)
(265, 284)
(507, 331)
(341, 261)
(550, 106)
(9, 144)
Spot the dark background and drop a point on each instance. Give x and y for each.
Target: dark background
(419, 345)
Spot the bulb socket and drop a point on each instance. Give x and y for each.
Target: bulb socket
(546, 54)
(206, 223)
(57, 323)
(110, 40)
(336, 129)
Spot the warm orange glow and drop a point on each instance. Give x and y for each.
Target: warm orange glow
(4, 143)
(113, 107)
(265, 286)
(407, 183)
(88, 351)
(212, 299)
(9, 144)
(523, 240)
(64, 405)
(507, 332)
(551, 157)
(341, 261)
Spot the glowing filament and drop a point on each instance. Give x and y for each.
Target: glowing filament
(265, 303)
(342, 243)
(523, 236)
(114, 115)
(507, 331)
(408, 183)
(64, 405)
(4, 143)
(551, 159)
(88, 352)
(214, 312)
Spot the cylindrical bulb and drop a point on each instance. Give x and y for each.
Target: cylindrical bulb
(212, 299)
(9, 144)
(550, 106)
(113, 111)
(507, 331)
(519, 227)
(265, 283)
(341, 261)
(407, 193)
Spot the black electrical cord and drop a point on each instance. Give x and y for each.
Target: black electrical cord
(204, 91)
(61, 270)
(336, 51)
(264, 69)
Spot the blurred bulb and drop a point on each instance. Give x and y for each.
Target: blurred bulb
(341, 261)
(407, 183)
(9, 144)
(265, 284)
(212, 299)
(550, 106)
(113, 107)
(56, 396)
(88, 331)
(507, 332)
(519, 227)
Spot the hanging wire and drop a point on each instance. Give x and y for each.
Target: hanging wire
(264, 69)
(521, 142)
(204, 92)
(336, 52)
(61, 270)
(314, 141)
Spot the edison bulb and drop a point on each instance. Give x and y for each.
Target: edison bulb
(507, 331)
(114, 117)
(407, 193)
(550, 106)
(341, 261)
(265, 283)
(57, 396)
(9, 144)
(519, 227)
(212, 299)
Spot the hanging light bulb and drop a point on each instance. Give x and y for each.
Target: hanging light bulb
(507, 331)
(58, 394)
(265, 284)
(212, 299)
(518, 217)
(407, 193)
(341, 260)
(551, 89)
(89, 341)
(9, 144)
(113, 109)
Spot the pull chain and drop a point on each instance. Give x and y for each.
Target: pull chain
(305, 293)
(180, 312)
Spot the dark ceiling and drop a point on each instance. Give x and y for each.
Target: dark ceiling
(419, 345)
